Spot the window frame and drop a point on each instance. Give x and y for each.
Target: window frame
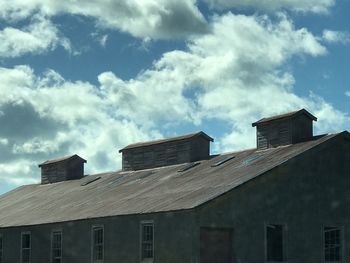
(284, 241)
(30, 246)
(142, 223)
(93, 228)
(61, 245)
(341, 239)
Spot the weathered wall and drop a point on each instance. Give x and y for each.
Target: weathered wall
(306, 194)
(302, 129)
(284, 131)
(273, 134)
(200, 149)
(52, 173)
(173, 239)
(164, 154)
(62, 171)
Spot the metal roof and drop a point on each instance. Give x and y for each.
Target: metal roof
(172, 139)
(146, 191)
(66, 158)
(284, 116)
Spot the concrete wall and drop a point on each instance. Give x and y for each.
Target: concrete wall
(306, 194)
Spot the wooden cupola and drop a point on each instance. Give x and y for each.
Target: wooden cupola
(284, 129)
(182, 149)
(62, 169)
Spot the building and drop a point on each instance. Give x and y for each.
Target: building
(285, 201)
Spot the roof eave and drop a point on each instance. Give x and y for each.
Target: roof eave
(61, 160)
(201, 133)
(284, 116)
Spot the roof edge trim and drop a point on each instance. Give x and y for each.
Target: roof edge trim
(166, 140)
(284, 116)
(61, 160)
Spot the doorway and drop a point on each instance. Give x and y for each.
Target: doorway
(216, 245)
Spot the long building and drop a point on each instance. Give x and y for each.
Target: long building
(287, 200)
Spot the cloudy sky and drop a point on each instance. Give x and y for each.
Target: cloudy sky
(90, 77)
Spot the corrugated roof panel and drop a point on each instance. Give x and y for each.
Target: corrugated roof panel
(122, 193)
(172, 139)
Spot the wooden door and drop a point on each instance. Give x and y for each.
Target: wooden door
(216, 245)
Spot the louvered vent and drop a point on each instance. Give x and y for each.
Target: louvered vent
(289, 128)
(182, 149)
(62, 169)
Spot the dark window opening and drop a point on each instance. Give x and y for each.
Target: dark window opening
(332, 244)
(97, 246)
(25, 248)
(274, 243)
(56, 247)
(189, 166)
(90, 179)
(147, 237)
(222, 161)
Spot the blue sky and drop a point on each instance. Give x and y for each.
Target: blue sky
(91, 77)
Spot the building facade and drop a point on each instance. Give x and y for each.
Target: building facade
(285, 201)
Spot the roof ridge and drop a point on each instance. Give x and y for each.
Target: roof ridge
(285, 115)
(60, 159)
(168, 139)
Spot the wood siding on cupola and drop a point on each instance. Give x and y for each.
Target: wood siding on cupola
(176, 150)
(284, 129)
(62, 169)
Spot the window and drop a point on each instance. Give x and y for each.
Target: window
(147, 238)
(275, 243)
(252, 158)
(1, 246)
(222, 161)
(25, 247)
(56, 247)
(97, 244)
(187, 167)
(90, 179)
(332, 244)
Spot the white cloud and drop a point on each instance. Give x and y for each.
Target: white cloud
(48, 116)
(17, 172)
(234, 74)
(315, 6)
(40, 36)
(347, 93)
(103, 40)
(3, 141)
(99, 38)
(336, 37)
(146, 18)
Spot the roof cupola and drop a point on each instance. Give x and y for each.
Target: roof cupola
(182, 149)
(289, 128)
(62, 169)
